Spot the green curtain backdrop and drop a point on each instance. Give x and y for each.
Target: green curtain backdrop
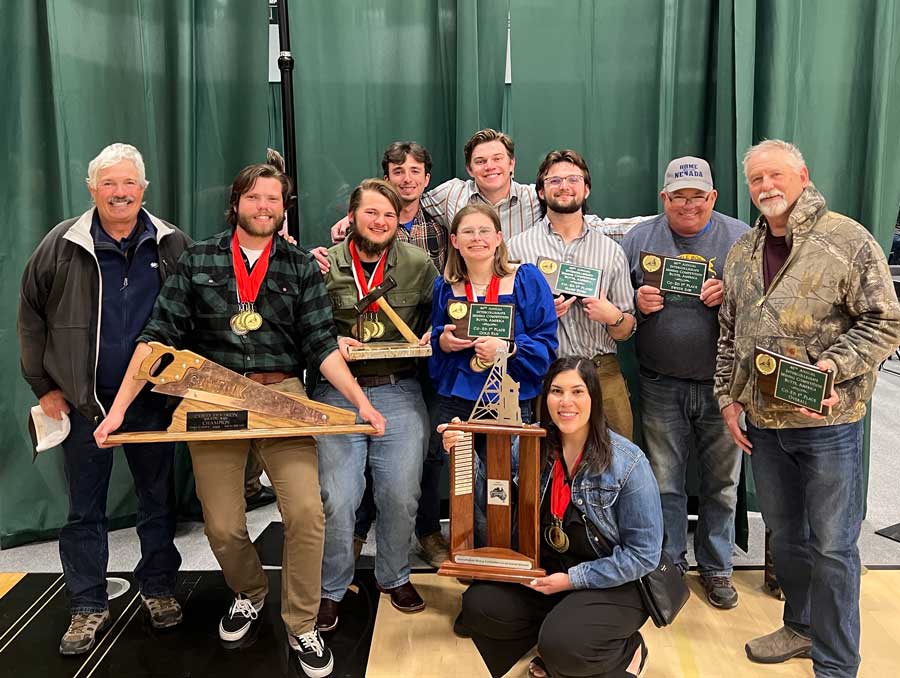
(630, 84)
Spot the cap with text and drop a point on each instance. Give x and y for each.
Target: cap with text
(688, 172)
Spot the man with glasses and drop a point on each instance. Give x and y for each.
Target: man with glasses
(594, 324)
(676, 349)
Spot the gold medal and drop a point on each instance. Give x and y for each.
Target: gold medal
(236, 326)
(368, 331)
(479, 365)
(556, 536)
(252, 320)
(379, 329)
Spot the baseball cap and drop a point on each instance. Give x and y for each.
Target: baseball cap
(688, 172)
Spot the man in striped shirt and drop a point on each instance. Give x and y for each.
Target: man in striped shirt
(588, 326)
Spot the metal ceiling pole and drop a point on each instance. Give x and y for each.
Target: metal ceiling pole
(286, 66)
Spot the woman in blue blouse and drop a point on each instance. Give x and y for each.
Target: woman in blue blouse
(601, 530)
(478, 269)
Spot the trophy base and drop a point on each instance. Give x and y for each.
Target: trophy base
(492, 564)
(383, 350)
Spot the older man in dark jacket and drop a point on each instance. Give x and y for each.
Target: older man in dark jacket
(87, 292)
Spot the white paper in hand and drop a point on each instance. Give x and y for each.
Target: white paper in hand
(48, 432)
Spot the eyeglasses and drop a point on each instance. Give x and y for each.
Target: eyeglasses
(681, 201)
(469, 233)
(556, 182)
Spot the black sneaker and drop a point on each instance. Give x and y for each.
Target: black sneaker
(314, 656)
(720, 592)
(240, 617)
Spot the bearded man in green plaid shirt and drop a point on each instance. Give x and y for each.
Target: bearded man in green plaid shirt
(195, 311)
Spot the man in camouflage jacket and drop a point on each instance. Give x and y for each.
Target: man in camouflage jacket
(812, 285)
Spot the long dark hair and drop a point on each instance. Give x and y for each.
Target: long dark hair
(598, 450)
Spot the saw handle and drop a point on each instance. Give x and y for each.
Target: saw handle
(174, 371)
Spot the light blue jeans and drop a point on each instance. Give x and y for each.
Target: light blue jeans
(680, 415)
(395, 462)
(809, 483)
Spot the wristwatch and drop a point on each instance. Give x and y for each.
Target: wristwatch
(618, 322)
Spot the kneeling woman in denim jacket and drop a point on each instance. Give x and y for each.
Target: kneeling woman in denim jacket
(585, 615)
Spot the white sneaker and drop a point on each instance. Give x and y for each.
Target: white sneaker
(311, 652)
(239, 619)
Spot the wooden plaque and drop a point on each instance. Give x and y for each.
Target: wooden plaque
(568, 279)
(792, 381)
(497, 561)
(475, 320)
(672, 274)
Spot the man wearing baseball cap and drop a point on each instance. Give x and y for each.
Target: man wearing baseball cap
(676, 348)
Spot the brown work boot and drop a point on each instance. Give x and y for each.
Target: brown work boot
(328, 615)
(84, 628)
(404, 597)
(435, 549)
(778, 647)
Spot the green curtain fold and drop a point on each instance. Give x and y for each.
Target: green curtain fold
(629, 84)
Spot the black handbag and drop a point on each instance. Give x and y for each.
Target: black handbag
(663, 590)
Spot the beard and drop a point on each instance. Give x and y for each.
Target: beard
(772, 209)
(564, 208)
(369, 247)
(246, 223)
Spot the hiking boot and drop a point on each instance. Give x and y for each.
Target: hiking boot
(720, 592)
(82, 633)
(778, 647)
(164, 611)
(313, 655)
(435, 549)
(242, 614)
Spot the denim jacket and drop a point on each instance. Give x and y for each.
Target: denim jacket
(622, 503)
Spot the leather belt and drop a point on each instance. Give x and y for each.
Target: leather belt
(269, 378)
(384, 379)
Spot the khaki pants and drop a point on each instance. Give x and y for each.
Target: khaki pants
(292, 466)
(616, 403)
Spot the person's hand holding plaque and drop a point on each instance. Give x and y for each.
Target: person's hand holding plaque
(486, 348)
(712, 292)
(562, 305)
(830, 401)
(648, 299)
(344, 343)
(600, 309)
(450, 343)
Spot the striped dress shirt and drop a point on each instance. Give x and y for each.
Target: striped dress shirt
(578, 335)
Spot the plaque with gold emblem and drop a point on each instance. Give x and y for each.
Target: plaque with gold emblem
(791, 380)
(680, 275)
(569, 279)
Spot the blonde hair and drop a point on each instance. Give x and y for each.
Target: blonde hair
(455, 271)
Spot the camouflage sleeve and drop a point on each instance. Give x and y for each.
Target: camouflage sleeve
(872, 303)
(725, 348)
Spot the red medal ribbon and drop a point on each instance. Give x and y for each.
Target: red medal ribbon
(490, 297)
(359, 276)
(248, 284)
(561, 489)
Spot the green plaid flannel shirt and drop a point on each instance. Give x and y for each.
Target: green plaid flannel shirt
(196, 303)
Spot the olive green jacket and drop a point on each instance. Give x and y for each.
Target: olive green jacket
(832, 300)
(414, 274)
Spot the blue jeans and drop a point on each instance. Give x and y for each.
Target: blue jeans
(83, 545)
(681, 415)
(395, 462)
(449, 407)
(809, 483)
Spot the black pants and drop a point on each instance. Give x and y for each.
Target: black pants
(588, 632)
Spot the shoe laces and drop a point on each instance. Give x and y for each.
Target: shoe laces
(311, 641)
(244, 607)
(161, 604)
(84, 623)
(718, 582)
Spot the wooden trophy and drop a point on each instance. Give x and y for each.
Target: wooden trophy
(496, 415)
(372, 329)
(218, 404)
